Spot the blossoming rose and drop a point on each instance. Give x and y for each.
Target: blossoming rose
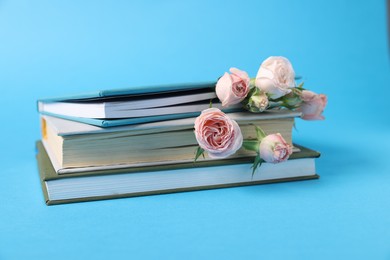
(276, 76)
(274, 149)
(217, 134)
(232, 89)
(313, 105)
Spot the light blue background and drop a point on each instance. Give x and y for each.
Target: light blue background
(51, 48)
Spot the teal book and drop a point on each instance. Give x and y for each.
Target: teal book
(134, 91)
(124, 121)
(134, 105)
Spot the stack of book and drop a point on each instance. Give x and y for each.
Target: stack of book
(140, 141)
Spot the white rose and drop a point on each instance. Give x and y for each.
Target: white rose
(276, 77)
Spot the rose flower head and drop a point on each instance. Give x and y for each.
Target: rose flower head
(217, 134)
(276, 77)
(232, 88)
(274, 149)
(257, 101)
(313, 105)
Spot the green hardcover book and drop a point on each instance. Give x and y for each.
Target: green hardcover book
(151, 180)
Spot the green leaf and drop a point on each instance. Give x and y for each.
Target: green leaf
(199, 152)
(251, 145)
(260, 133)
(275, 104)
(300, 86)
(256, 164)
(211, 103)
(285, 105)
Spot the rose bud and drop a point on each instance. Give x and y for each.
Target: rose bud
(313, 105)
(274, 149)
(258, 102)
(232, 88)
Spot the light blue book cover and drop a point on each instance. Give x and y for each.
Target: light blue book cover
(137, 90)
(132, 121)
(125, 121)
(128, 92)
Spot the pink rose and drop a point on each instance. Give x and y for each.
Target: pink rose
(217, 134)
(313, 105)
(276, 77)
(274, 149)
(232, 89)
